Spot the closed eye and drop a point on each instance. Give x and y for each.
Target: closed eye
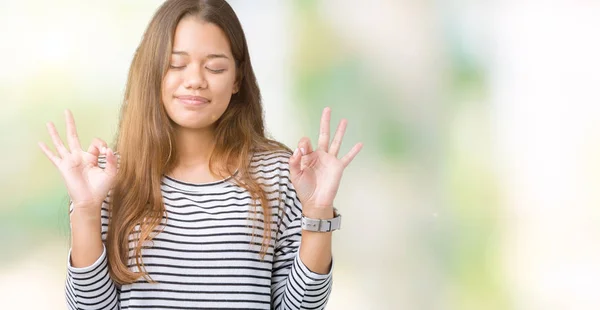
(215, 70)
(209, 69)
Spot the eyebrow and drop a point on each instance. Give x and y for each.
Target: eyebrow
(209, 56)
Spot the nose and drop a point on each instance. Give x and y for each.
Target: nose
(195, 78)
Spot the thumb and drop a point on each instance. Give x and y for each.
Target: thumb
(294, 163)
(91, 156)
(94, 150)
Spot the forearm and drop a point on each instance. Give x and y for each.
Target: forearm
(302, 277)
(86, 238)
(315, 248)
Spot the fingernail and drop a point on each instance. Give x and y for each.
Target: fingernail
(295, 153)
(103, 150)
(303, 151)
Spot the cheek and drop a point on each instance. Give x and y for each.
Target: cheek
(169, 85)
(222, 86)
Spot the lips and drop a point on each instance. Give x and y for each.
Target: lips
(193, 100)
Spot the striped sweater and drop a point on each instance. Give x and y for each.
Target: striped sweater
(208, 254)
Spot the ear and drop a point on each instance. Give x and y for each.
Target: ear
(236, 87)
(238, 79)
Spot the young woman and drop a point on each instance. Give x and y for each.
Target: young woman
(204, 211)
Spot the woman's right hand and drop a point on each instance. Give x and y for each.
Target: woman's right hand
(87, 184)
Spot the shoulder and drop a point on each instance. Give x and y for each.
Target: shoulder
(270, 165)
(278, 158)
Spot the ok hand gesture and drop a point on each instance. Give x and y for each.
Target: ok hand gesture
(316, 175)
(87, 184)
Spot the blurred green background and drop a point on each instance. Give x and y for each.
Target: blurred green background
(477, 187)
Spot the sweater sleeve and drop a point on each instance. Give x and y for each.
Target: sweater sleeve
(294, 286)
(91, 287)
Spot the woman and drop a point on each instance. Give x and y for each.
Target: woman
(204, 211)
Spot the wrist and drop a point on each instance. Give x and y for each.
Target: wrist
(85, 223)
(318, 212)
(85, 212)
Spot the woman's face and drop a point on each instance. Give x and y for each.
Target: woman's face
(201, 77)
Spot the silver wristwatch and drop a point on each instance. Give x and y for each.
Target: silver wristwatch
(319, 225)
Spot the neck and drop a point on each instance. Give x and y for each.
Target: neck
(194, 147)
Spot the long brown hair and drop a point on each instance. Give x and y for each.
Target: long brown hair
(145, 139)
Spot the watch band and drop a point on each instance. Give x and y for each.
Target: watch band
(319, 225)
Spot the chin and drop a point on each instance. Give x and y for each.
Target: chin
(194, 124)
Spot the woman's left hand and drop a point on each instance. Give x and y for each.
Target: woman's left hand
(316, 174)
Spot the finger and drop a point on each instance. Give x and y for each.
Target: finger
(91, 156)
(323, 142)
(53, 158)
(294, 163)
(337, 139)
(72, 137)
(305, 146)
(111, 163)
(94, 151)
(96, 145)
(60, 147)
(347, 159)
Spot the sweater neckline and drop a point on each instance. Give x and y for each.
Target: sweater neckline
(189, 186)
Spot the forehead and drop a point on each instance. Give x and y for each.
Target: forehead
(199, 38)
